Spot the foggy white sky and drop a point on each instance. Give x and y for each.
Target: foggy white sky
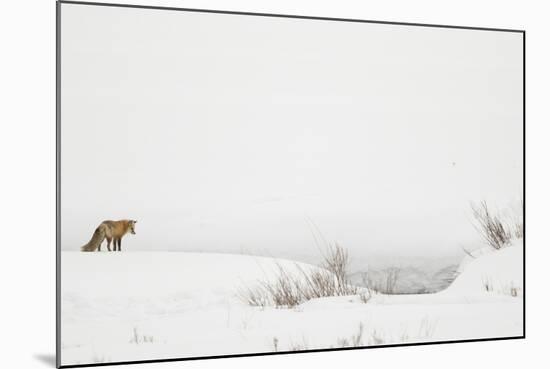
(226, 132)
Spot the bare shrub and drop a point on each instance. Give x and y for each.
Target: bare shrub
(138, 338)
(355, 340)
(332, 279)
(290, 289)
(98, 359)
(285, 291)
(391, 280)
(487, 284)
(387, 283)
(135, 337)
(518, 230)
(342, 342)
(490, 226)
(427, 328)
(493, 227)
(517, 222)
(299, 346)
(376, 338)
(256, 296)
(275, 344)
(336, 260)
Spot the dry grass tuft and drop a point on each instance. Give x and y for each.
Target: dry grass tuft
(291, 288)
(493, 227)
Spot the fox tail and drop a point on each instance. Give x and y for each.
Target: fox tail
(97, 239)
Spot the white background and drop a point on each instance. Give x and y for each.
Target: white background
(27, 190)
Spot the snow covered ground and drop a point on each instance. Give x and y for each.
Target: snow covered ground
(158, 305)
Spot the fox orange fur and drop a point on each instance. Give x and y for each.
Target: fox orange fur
(112, 231)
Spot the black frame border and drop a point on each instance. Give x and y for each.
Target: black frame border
(272, 15)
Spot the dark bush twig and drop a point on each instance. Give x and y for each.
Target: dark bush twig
(490, 227)
(385, 284)
(291, 289)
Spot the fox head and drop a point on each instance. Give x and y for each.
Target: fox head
(132, 226)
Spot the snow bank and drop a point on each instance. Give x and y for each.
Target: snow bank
(492, 271)
(156, 305)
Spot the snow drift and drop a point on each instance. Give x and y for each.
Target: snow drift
(158, 305)
(491, 271)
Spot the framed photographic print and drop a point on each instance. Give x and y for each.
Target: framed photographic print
(233, 184)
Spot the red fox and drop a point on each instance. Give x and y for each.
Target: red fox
(112, 231)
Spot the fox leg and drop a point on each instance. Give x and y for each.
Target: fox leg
(119, 243)
(109, 244)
